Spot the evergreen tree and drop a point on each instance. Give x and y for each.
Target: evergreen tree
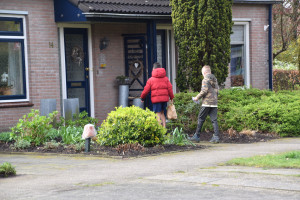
(202, 34)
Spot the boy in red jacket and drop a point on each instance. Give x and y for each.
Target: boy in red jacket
(161, 92)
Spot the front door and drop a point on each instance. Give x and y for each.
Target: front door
(135, 63)
(77, 70)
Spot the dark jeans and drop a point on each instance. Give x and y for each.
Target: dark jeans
(212, 112)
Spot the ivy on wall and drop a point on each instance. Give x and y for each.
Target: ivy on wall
(202, 34)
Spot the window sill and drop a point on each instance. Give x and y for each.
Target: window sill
(16, 105)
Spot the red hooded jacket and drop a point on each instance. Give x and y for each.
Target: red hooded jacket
(160, 86)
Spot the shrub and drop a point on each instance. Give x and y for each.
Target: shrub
(187, 112)
(284, 65)
(270, 112)
(53, 134)
(245, 109)
(5, 137)
(178, 138)
(51, 145)
(21, 144)
(34, 127)
(285, 79)
(131, 125)
(71, 134)
(6, 169)
(78, 120)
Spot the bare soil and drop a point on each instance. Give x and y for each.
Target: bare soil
(135, 150)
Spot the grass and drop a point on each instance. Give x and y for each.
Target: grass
(284, 160)
(6, 170)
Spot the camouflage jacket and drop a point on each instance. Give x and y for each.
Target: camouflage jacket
(209, 91)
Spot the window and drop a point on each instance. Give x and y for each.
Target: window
(239, 63)
(12, 59)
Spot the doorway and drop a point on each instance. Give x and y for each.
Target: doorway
(77, 66)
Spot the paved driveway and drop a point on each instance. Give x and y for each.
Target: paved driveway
(184, 175)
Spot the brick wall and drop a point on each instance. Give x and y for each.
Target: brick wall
(43, 60)
(106, 89)
(258, 42)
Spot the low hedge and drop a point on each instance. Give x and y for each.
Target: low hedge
(286, 79)
(244, 109)
(131, 125)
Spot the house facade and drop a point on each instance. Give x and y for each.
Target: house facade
(61, 49)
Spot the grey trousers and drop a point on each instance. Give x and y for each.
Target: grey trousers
(212, 112)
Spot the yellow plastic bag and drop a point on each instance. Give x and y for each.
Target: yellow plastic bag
(171, 111)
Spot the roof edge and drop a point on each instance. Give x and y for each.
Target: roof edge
(258, 2)
(118, 15)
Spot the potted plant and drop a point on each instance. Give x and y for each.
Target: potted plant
(123, 80)
(4, 86)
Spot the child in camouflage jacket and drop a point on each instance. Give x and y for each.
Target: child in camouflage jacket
(209, 94)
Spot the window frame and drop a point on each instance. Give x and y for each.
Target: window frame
(13, 33)
(22, 38)
(246, 44)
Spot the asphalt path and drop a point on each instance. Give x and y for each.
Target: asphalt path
(183, 175)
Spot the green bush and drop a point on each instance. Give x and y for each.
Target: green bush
(286, 79)
(5, 137)
(187, 112)
(71, 134)
(21, 143)
(178, 138)
(33, 127)
(78, 120)
(245, 109)
(6, 169)
(53, 134)
(131, 125)
(263, 111)
(51, 145)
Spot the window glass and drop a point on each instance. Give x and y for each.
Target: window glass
(10, 26)
(11, 68)
(159, 49)
(238, 34)
(237, 67)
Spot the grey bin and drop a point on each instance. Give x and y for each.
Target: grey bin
(123, 95)
(47, 106)
(71, 107)
(138, 103)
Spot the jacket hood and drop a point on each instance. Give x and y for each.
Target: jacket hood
(212, 80)
(159, 73)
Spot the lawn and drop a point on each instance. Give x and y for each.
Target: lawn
(284, 160)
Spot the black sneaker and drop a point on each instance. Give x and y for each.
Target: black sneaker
(215, 139)
(195, 138)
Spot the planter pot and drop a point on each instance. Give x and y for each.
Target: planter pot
(138, 103)
(5, 90)
(123, 95)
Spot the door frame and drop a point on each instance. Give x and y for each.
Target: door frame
(61, 27)
(171, 58)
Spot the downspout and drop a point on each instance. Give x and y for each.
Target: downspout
(270, 50)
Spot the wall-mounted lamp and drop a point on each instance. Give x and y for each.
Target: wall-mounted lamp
(104, 42)
(266, 27)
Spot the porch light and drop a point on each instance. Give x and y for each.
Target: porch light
(103, 43)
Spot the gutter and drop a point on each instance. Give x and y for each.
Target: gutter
(270, 50)
(131, 16)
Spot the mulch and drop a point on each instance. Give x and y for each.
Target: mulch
(136, 150)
